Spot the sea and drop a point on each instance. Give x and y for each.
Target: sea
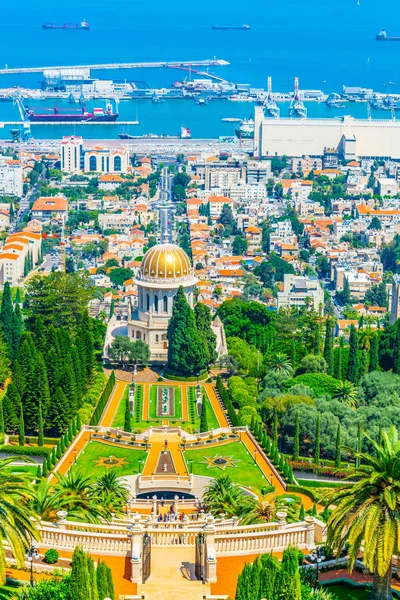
(326, 44)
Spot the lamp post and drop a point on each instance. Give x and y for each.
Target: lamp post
(32, 555)
(317, 557)
(75, 451)
(255, 457)
(190, 465)
(140, 465)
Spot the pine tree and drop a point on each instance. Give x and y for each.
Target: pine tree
(275, 428)
(6, 317)
(37, 391)
(203, 419)
(59, 414)
(296, 438)
(11, 402)
(80, 575)
(40, 426)
(127, 416)
(21, 427)
(328, 346)
(374, 353)
(317, 447)
(352, 368)
(337, 448)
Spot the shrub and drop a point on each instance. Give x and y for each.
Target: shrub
(51, 556)
(25, 450)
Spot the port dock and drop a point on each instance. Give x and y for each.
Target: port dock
(215, 62)
(66, 123)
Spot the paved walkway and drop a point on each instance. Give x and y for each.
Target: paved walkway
(172, 576)
(157, 446)
(219, 413)
(113, 404)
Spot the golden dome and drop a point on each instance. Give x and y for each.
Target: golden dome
(166, 261)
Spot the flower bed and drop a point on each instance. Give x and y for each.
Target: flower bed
(319, 469)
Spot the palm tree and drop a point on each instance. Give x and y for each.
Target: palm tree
(280, 362)
(367, 513)
(17, 526)
(346, 393)
(111, 492)
(74, 492)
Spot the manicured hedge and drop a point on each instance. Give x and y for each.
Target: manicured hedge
(298, 489)
(227, 401)
(25, 450)
(98, 411)
(174, 377)
(32, 439)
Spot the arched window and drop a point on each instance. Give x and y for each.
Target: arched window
(102, 164)
(138, 335)
(117, 163)
(165, 301)
(147, 302)
(157, 338)
(156, 304)
(93, 163)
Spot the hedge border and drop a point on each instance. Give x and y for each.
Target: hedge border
(100, 406)
(172, 377)
(26, 450)
(290, 487)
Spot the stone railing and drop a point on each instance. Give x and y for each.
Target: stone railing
(168, 482)
(226, 537)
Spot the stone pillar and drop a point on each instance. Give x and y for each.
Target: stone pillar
(136, 556)
(310, 533)
(209, 545)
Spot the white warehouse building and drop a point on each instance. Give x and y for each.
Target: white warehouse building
(353, 138)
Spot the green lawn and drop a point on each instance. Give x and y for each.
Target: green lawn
(177, 416)
(245, 473)
(341, 591)
(94, 451)
(119, 417)
(31, 469)
(211, 418)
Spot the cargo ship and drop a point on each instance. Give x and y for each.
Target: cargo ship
(382, 36)
(184, 135)
(82, 25)
(232, 27)
(79, 116)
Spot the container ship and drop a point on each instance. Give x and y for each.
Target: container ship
(81, 25)
(78, 116)
(232, 27)
(382, 36)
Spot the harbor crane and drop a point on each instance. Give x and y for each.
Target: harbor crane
(270, 105)
(25, 133)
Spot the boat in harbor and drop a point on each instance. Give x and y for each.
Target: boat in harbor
(184, 135)
(245, 130)
(83, 25)
(79, 116)
(382, 36)
(231, 120)
(232, 27)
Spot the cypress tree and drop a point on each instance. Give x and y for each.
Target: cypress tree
(352, 368)
(202, 315)
(290, 475)
(21, 427)
(296, 438)
(275, 428)
(127, 417)
(363, 364)
(73, 428)
(346, 292)
(92, 579)
(317, 448)
(338, 367)
(18, 298)
(302, 513)
(58, 451)
(40, 427)
(62, 445)
(268, 445)
(6, 317)
(187, 353)
(26, 266)
(80, 575)
(39, 473)
(288, 580)
(17, 327)
(45, 471)
(253, 423)
(203, 419)
(78, 422)
(269, 571)
(337, 447)
(374, 353)
(314, 512)
(59, 414)
(316, 340)
(1, 417)
(53, 457)
(36, 392)
(48, 463)
(101, 578)
(264, 440)
(110, 584)
(328, 346)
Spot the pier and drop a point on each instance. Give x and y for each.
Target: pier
(67, 123)
(134, 65)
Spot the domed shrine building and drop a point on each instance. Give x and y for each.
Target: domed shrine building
(164, 268)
